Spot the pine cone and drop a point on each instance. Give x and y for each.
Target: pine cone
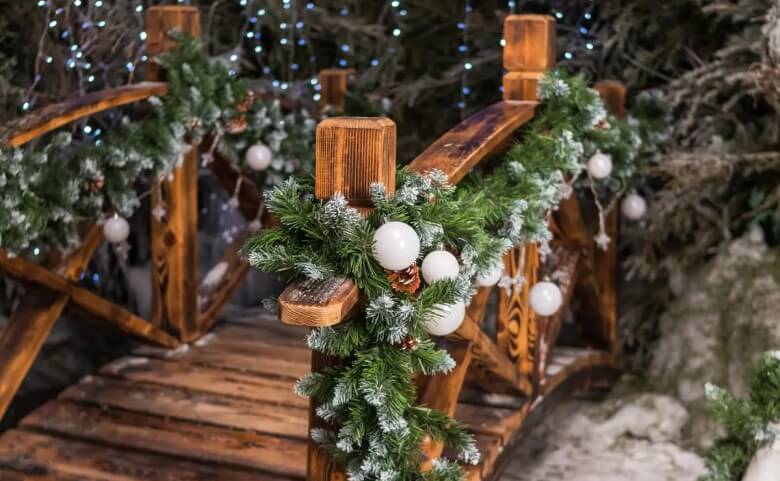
(236, 125)
(94, 185)
(406, 280)
(409, 344)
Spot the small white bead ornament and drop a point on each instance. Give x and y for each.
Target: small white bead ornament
(448, 319)
(491, 279)
(545, 298)
(116, 229)
(396, 246)
(600, 165)
(633, 207)
(439, 265)
(258, 157)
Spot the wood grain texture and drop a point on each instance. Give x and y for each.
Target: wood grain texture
(471, 141)
(51, 117)
(334, 83)
(174, 236)
(529, 52)
(170, 437)
(318, 303)
(38, 453)
(86, 300)
(31, 321)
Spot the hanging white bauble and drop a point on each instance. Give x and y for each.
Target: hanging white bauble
(439, 265)
(765, 464)
(492, 278)
(448, 319)
(258, 157)
(634, 207)
(545, 298)
(756, 234)
(396, 246)
(116, 229)
(600, 166)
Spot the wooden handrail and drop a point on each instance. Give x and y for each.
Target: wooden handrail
(51, 117)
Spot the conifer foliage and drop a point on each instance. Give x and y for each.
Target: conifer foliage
(372, 398)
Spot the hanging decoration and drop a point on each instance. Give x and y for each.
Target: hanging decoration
(492, 277)
(600, 166)
(545, 298)
(47, 191)
(258, 157)
(116, 229)
(370, 400)
(634, 206)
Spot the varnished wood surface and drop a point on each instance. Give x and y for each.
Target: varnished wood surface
(49, 118)
(318, 303)
(182, 415)
(471, 141)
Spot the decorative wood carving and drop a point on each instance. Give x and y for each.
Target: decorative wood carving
(174, 236)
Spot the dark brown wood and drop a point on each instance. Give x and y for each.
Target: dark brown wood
(38, 453)
(174, 236)
(250, 201)
(334, 84)
(177, 439)
(51, 117)
(463, 147)
(86, 300)
(193, 406)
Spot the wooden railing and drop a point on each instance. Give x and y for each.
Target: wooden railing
(516, 360)
(182, 309)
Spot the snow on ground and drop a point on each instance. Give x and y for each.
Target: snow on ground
(636, 439)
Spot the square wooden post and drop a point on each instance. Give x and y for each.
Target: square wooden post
(529, 53)
(352, 153)
(334, 84)
(174, 235)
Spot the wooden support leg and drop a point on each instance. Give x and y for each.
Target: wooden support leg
(320, 465)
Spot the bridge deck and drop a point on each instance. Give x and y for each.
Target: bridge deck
(219, 409)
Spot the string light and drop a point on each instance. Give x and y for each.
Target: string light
(463, 49)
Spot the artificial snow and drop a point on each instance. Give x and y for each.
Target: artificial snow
(635, 439)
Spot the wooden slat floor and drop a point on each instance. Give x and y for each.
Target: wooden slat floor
(221, 409)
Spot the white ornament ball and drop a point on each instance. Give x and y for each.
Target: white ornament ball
(396, 246)
(600, 165)
(439, 265)
(258, 157)
(116, 229)
(448, 319)
(546, 298)
(765, 464)
(634, 207)
(492, 278)
(756, 234)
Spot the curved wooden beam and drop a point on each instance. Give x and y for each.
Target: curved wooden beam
(463, 147)
(45, 120)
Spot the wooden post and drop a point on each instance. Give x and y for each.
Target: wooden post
(333, 88)
(174, 235)
(529, 53)
(614, 95)
(352, 153)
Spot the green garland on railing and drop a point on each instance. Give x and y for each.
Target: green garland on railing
(48, 191)
(372, 399)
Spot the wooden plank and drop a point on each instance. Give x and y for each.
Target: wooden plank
(318, 303)
(471, 141)
(51, 117)
(122, 429)
(488, 420)
(85, 299)
(584, 360)
(174, 236)
(190, 406)
(266, 330)
(269, 359)
(7, 475)
(38, 453)
(204, 379)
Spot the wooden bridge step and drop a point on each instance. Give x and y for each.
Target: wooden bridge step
(40, 454)
(122, 429)
(191, 406)
(182, 374)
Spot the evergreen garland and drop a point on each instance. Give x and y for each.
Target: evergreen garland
(750, 423)
(47, 192)
(372, 399)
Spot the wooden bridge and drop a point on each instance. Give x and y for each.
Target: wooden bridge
(204, 402)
